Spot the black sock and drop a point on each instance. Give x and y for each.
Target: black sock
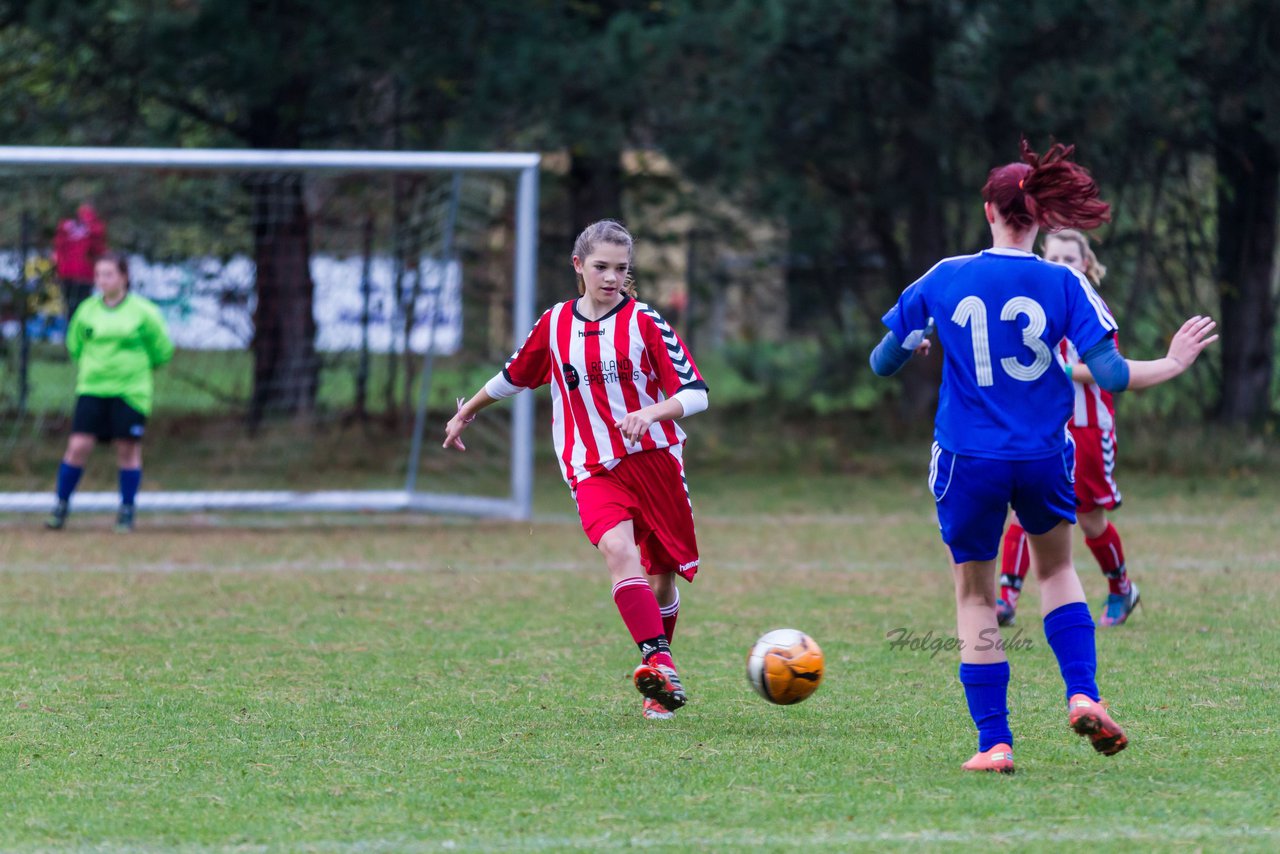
(653, 646)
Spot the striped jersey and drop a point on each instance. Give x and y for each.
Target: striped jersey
(1094, 405)
(600, 370)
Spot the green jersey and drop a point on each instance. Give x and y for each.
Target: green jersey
(117, 348)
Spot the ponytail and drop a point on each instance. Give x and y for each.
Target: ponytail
(1050, 191)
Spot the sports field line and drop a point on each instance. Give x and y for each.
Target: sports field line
(168, 522)
(589, 565)
(1151, 833)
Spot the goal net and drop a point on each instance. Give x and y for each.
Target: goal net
(327, 309)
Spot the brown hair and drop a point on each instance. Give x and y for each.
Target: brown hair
(1050, 191)
(606, 231)
(1093, 269)
(121, 263)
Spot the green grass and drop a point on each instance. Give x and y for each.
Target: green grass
(398, 683)
(221, 381)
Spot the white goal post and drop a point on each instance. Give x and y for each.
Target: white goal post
(18, 161)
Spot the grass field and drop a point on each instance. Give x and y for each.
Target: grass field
(397, 683)
(221, 381)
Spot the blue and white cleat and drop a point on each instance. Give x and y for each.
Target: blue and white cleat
(1120, 606)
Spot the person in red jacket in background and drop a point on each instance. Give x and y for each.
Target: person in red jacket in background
(77, 246)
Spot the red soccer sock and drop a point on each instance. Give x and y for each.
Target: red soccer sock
(1109, 552)
(1015, 560)
(669, 615)
(639, 609)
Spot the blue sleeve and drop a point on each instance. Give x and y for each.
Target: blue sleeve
(909, 317)
(889, 356)
(1088, 318)
(1109, 368)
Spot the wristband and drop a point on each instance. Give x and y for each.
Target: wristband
(1069, 376)
(461, 401)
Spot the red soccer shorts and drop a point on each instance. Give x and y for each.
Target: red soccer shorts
(648, 489)
(1095, 467)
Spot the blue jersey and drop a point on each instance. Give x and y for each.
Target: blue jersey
(999, 315)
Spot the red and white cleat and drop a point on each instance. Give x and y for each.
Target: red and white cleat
(655, 711)
(660, 684)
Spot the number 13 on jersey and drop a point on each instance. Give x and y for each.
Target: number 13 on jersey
(972, 312)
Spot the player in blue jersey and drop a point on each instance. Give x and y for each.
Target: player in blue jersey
(1000, 434)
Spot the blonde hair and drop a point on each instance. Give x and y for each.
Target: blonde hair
(606, 231)
(1093, 269)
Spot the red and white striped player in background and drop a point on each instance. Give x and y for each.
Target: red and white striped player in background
(620, 377)
(1093, 426)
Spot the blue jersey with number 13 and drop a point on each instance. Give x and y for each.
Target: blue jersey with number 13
(999, 315)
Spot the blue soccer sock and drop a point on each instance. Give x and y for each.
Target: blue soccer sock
(1069, 630)
(130, 480)
(68, 479)
(986, 688)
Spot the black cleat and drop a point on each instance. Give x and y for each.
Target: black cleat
(57, 519)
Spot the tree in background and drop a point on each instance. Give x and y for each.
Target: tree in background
(282, 74)
(867, 127)
(1238, 60)
(566, 76)
(863, 130)
(842, 122)
(1160, 90)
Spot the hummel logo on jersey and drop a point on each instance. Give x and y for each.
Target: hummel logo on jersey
(571, 378)
(587, 333)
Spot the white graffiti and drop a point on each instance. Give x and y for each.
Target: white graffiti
(209, 303)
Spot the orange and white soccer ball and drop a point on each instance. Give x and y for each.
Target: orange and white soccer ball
(785, 666)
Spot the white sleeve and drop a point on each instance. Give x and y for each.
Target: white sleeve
(500, 387)
(694, 400)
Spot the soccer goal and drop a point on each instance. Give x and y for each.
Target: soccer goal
(327, 308)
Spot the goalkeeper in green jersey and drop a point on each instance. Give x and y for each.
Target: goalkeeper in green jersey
(117, 340)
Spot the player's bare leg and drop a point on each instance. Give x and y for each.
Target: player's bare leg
(664, 589)
(1055, 571)
(975, 584)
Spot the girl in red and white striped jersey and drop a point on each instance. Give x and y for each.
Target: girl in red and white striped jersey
(619, 377)
(1092, 427)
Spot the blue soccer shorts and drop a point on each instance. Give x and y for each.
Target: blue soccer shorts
(974, 494)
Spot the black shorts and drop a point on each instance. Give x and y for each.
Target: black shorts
(108, 418)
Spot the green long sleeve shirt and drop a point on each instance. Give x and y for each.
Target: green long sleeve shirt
(116, 349)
